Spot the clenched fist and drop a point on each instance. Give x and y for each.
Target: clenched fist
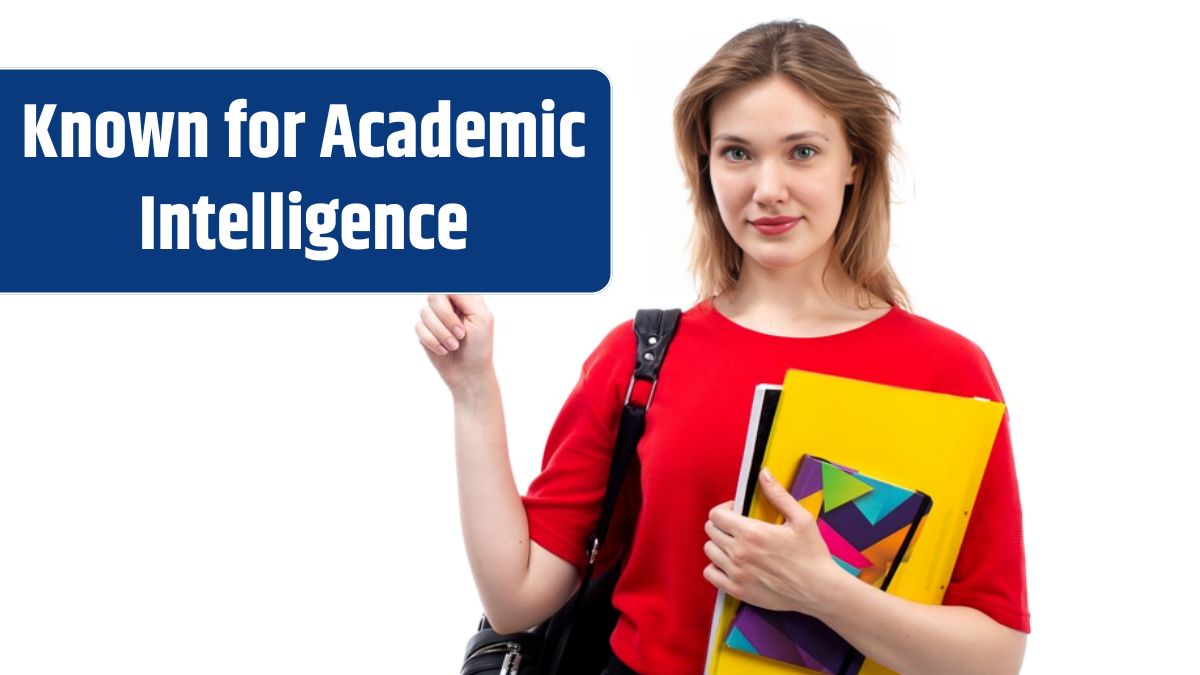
(456, 331)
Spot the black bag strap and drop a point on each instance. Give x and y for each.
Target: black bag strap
(654, 329)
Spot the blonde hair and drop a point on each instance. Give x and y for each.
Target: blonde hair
(820, 64)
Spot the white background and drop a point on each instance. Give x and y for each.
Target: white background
(265, 483)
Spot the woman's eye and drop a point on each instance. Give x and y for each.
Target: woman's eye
(805, 152)
(736, 154)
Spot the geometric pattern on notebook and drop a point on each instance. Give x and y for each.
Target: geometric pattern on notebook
(840, 487)
(841, 549)
(864, 522)
(812, 503)
(881, 501)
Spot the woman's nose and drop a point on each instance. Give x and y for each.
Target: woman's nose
(770, 186)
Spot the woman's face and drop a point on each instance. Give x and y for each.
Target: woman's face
(779, 166)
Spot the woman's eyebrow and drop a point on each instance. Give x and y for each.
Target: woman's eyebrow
(799, 135)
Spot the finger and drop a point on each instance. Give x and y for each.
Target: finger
(438, 329)
(445, 311)
(718, 557)
(719, 536)
(469, 305)
(719, 579)
(723, 507)
(428, 340)
(780, 498)
(727, 520)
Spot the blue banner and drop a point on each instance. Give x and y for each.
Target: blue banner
(305, 181)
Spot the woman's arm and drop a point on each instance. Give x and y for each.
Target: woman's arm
(788, 567)
(910, 637)
(519, 583)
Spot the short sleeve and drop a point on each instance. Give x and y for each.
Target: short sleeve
(990, 572)
(563, 502)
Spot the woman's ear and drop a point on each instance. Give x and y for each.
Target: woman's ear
(853, 176)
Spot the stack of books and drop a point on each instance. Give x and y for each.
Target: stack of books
(890, 476)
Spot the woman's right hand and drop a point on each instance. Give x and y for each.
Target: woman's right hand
(456, 331)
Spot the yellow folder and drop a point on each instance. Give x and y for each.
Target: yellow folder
(935, 443)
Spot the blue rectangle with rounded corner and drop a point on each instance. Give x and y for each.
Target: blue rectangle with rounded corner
(305, 181)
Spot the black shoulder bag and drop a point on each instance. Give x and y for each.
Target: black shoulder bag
(575, 641)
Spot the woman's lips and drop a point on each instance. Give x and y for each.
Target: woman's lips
(775, 225)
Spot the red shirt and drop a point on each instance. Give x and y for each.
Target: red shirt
(691, 453)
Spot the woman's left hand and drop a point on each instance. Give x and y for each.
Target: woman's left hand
(783, 566)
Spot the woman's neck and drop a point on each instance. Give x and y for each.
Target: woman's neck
(783, 302)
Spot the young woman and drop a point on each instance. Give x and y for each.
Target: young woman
(785, 143)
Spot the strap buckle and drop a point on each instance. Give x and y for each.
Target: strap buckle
(629, 391)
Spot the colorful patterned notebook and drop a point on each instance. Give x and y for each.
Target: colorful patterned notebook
(868, 525)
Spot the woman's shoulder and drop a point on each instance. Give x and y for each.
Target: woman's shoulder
(962, 366)
(620, 340)
(931, 335)
(617, 349)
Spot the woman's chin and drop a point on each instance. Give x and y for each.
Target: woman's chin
(779, 262)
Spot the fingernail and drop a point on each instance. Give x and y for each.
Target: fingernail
(766, 475)
(451, 344)
(458, 331)
(440, 350)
